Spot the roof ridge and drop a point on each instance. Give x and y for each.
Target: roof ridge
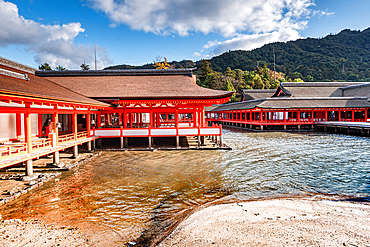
(127, 72)
(15, 65)
(319, 84)
(14, 74)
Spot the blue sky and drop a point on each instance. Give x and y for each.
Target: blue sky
(63, 32)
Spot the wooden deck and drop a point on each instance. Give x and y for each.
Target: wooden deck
(355, 125)
(23, 156)
(356, 128)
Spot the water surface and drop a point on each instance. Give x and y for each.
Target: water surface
(136, 195)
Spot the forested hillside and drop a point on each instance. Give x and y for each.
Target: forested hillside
(341, 57)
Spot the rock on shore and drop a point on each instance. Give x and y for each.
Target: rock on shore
(279, 222)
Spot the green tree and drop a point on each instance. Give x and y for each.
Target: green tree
(257, 82)
(204, 70)
(84, 66)
(297, 80)
(59, 68)
(44, 66)
(229, 73)
(229, 87)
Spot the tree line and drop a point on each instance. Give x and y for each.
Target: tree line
(238, 80)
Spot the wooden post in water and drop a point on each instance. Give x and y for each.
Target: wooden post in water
(177, 141)
(75, 152)
(88, 146)
(93, 145)
(56, 157)
(29, 168)
(126, 141)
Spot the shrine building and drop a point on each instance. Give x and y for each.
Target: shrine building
(296, 105)
(85, 106)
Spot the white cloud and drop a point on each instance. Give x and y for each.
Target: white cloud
(197, 54)
(246, 24)
(225, 17)
(250, 42)
(50, 43)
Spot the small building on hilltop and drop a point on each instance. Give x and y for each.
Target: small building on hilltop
(296, 106)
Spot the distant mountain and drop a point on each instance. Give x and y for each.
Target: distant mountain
(310, 59)
(174, 64)
(342, 57)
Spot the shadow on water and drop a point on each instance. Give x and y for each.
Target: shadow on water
(162, 224)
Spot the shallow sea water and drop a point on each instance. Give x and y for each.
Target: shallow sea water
(135, 196)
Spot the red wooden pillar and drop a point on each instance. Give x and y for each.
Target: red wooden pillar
(365, 115)
(150, 117)
(18, 119)
(340, 115)
(177, 120)
(39, 124)
(285, 116)
(98, 120)
(55, 120)
(27, 129)
(298, 116)
(74, 121)
(88, 124)
(124, 117)
(195, 121)
(202, 118)
(353, 115)
(261, 116)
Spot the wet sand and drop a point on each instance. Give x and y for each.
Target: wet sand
(275, 222)
(278, 222)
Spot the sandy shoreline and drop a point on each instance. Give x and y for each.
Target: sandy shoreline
(278, 222)
(272, 222)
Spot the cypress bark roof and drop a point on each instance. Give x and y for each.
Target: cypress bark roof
(290, 103)
(37, 87)
(308, 95)
(134, 84)
(258, 94)
(312, 89)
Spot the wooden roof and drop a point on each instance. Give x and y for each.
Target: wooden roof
(290, 103)
(312, 89)
(257, 94)
(361, 90)
(308, 95)
(31, 86)
(134, 84)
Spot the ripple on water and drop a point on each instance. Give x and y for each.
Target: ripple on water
(139, 194)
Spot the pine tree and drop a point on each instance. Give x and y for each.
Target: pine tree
(204, 70)
(44, 66)
(229, 87)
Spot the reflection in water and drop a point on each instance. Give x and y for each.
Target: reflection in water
(136, 195)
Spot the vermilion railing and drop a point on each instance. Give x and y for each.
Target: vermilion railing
(66, 138)
(287, 121)
(10, 150)
(40, 144)
(151, 129)
(71, 137)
